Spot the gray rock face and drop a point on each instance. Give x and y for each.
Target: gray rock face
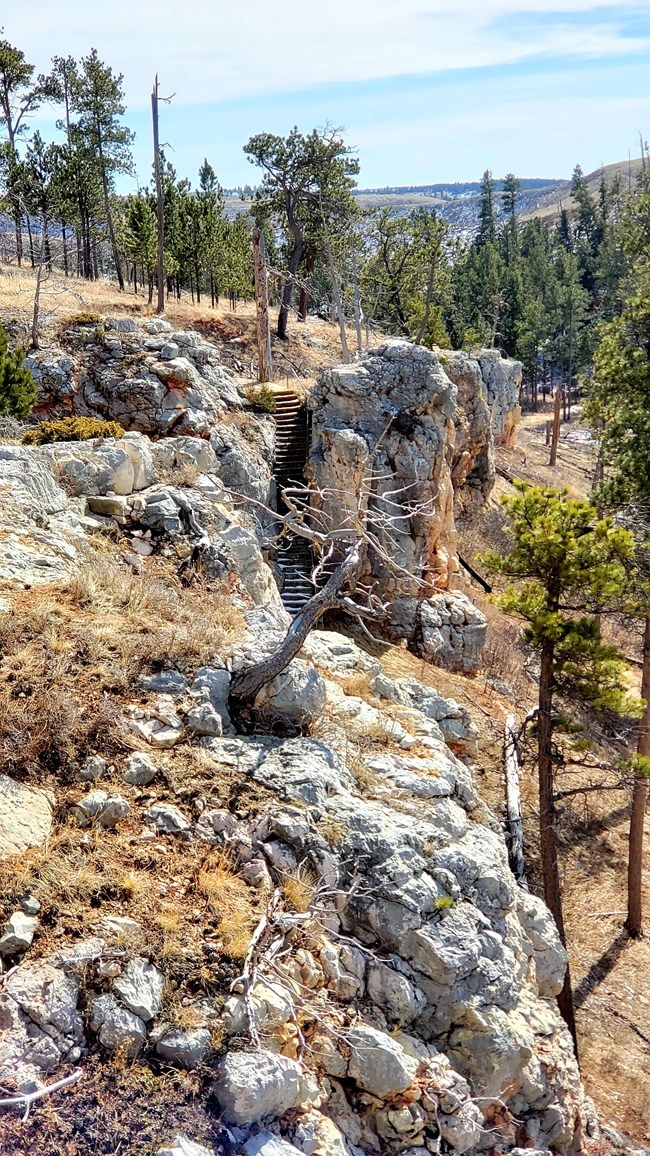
(204, 719)
(378, 1063)
(252, 1086)
(140, 988)
(32, 501)
(502, 380)
(25, 817)
(183, 390)
(17, 933)
(116, 1027)
(115, 465)
(453, 631)
(297, 695)
(39, 1022)
(166, 682)
(185, 1047)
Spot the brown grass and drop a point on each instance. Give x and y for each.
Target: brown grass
(230, 899)
(71, 652)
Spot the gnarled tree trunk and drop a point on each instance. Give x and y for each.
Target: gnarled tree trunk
(247, 685)
(634, 923)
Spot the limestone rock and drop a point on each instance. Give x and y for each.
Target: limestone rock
(102, 808)
(117, 1027)
(39, 1022)
(252, 1086)
(166, 682)
(103, 465)
(297, 695)
(168, 820)
(266, 1144)
(186, 1047)
(378, 1064)
(93, 768)
(17, 933)
(139, 769)
(215, 682)
(181, 1146)
(203, 719)
(140, 988)
(25, 817)
(453, 631)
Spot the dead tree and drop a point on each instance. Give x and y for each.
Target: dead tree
(363, 525)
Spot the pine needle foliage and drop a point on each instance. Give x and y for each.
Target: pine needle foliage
(17, 387)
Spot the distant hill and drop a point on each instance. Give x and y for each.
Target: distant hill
(458, 202)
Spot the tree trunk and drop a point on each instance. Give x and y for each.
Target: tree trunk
(160, 215)
(31, 241)
(428, 303)
(547, 824)
(358, 312)
(634, 923)
(65, 249)
(109, 214)
(265, 361)
(336, 296)
(287, 292)
(246, 686)
(515, 824)
(557, 413)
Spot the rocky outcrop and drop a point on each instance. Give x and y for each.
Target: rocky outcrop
(413, 427)
(158, 382)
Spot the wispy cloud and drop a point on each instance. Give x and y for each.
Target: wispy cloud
(209, 51)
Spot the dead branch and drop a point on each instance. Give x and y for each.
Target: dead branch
(29, 1098)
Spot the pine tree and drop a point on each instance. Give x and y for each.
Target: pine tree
(17, 389)
(619, 408)
(307, 180)
(98, 99)
(19, 99)
(568, 565)
(487, 228)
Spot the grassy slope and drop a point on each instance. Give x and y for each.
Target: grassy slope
(609, 971)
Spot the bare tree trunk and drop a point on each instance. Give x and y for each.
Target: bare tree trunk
(246, 686)
(160, 215)
(358, 312)
(548, 825)
(37, 299)
(634, 923)
(557, 413)
(287, 292)
(515, 823)
(265, 367)
(336, 296)
(109, 214)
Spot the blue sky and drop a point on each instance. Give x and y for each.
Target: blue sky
(427, 90)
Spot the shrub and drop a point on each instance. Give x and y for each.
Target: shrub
(85, 317)
(17, 387)
(72, 429)
(261, 398)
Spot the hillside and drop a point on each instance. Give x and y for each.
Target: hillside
(224, 831)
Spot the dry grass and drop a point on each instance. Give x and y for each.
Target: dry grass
(299, 887)
(230, 900)
(70, 653)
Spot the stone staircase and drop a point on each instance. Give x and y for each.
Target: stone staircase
(291, 453)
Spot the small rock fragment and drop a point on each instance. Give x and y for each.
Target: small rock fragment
(17, 933)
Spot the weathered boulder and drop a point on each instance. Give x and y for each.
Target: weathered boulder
(103, 465)
(17, 933)
(181, 1146)
(252, 1086)
(36, 520)
(296, 696)
(39, 1023)
(452, 631)
(502, 380)
(102, 808)
(140, 988)
(186, 1047)
(25, 817)
(117, 1028)
(139, 769)
(168, 819)
(379, 1064)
